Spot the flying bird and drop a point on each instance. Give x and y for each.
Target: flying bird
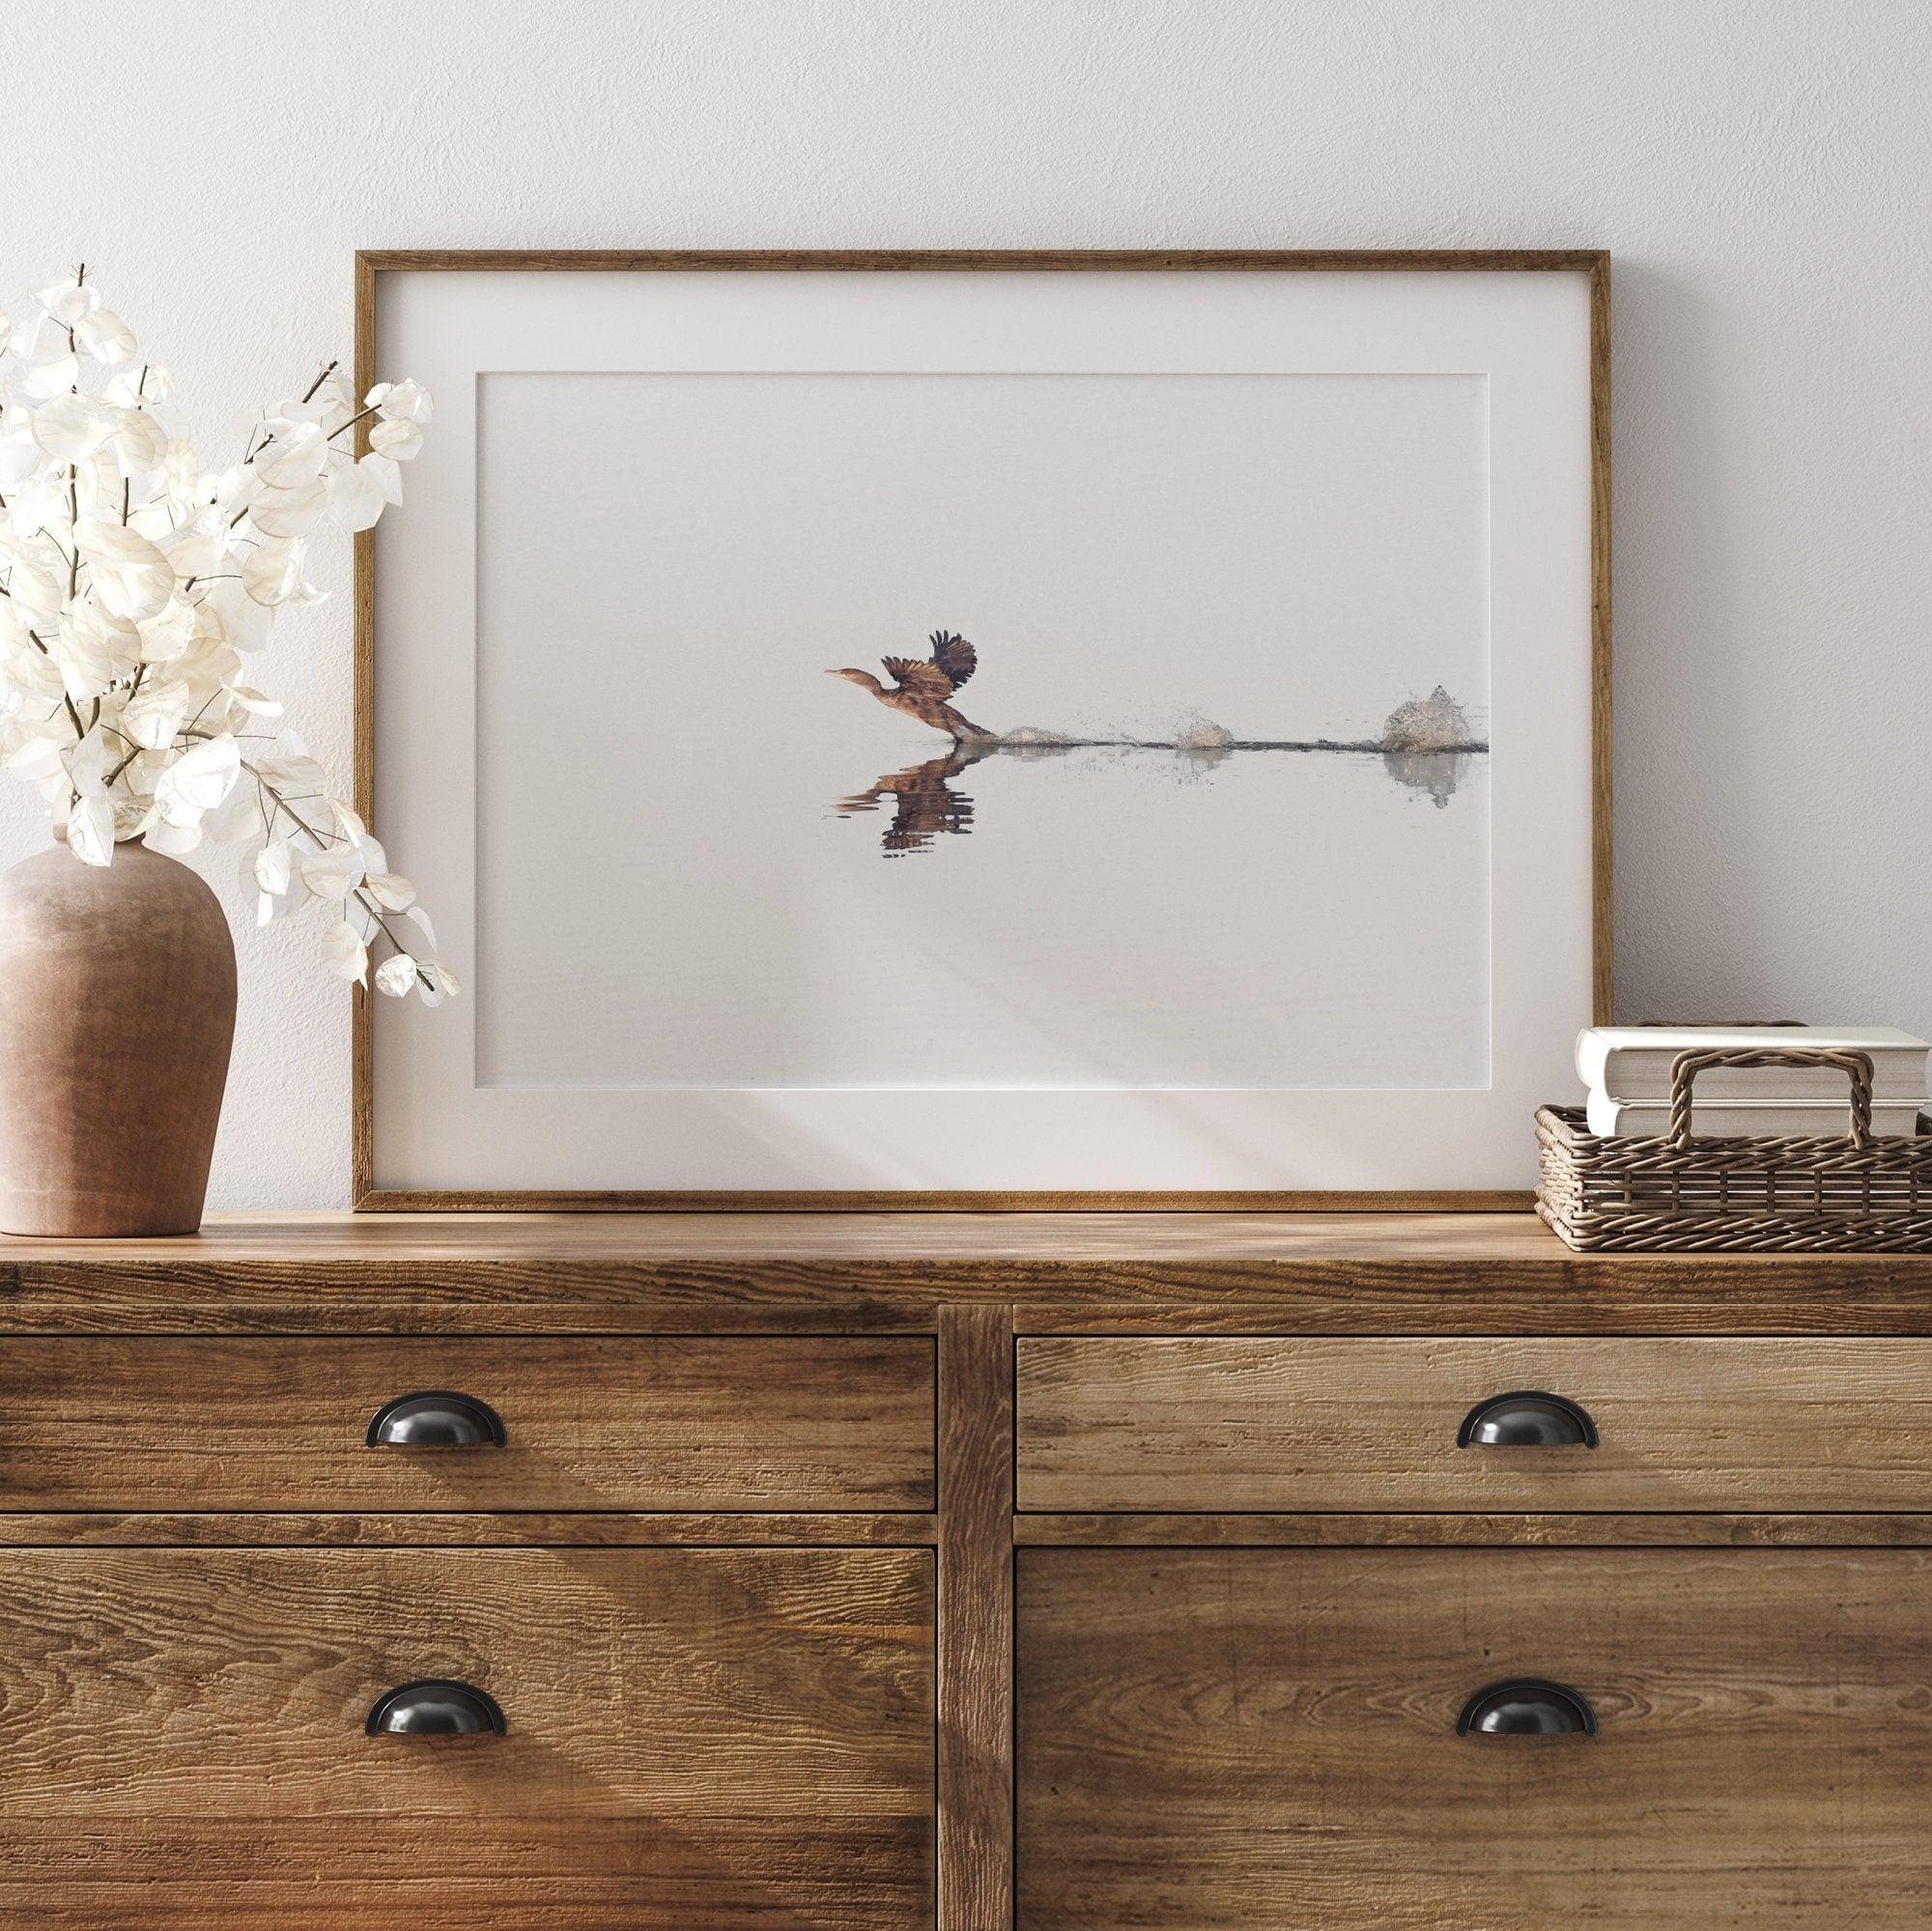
(921, 686)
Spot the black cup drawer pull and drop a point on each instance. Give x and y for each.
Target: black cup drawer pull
(1527, 1418)
(436, 1418)
(435, 1706)
(1526, 1706)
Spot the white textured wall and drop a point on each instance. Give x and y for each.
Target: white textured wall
(1763, 173)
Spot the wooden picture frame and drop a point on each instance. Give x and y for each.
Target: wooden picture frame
(373, 267)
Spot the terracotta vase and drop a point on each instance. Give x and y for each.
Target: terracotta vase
(117, 1010)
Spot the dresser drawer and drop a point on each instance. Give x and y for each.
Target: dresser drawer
(644, 1422)
(1272, 1424)
(1267, 1740)
(726, 1739)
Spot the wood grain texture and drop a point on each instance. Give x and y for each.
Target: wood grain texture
(371, 263)
(1340, 1273)
(477, 1528)
(362, 743)
(562, 1241)
(1458, 1530)
(802, 1720)
(914, 1200)
(976, 1611)
(538, 1529)
(1266, 1739)
(652, 1422)
(1281, 1425)
(735, 1740)
(1603, 855)
(815, 261)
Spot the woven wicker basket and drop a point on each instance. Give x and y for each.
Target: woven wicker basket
(1848, 1194)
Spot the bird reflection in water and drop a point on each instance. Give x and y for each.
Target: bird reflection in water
(925, 802)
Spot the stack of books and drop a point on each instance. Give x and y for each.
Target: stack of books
(1628, 1071)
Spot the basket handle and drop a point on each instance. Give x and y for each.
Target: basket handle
(1685, 1066)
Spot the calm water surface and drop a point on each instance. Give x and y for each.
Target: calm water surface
(1093, 916)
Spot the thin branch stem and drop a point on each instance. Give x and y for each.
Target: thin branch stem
(322, 844)
(360, 416)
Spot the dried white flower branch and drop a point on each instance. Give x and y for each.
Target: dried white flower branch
(132, 582)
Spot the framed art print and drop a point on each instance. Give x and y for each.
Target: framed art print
(919, 729)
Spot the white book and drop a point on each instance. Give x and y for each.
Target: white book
(1634, 1062)
(1649, 1119)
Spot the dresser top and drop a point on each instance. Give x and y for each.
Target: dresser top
(1062, 1238)
(1391, 1273)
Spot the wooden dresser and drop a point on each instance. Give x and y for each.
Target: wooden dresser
(782, 1572)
